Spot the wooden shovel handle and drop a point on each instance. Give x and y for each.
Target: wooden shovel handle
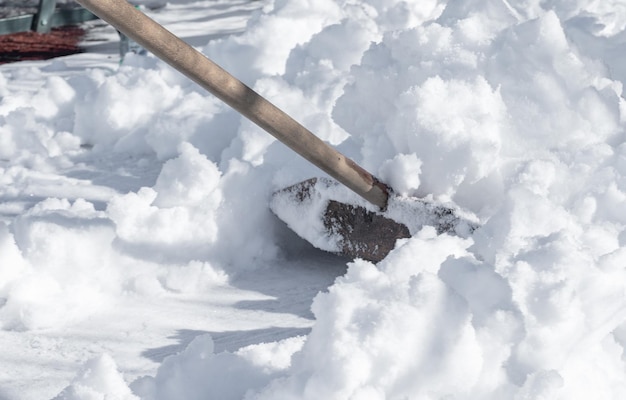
(171, 49)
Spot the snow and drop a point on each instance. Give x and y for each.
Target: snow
(139, 257)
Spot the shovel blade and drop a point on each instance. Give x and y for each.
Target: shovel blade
(331, 218)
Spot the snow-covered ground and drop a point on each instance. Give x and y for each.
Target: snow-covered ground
(139, 257)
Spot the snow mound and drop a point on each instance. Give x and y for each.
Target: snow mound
(129, 186)
(98, 379)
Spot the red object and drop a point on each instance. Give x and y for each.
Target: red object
(21, 46)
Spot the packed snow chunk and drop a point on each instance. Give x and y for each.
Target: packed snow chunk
(98, 379)
(23, 138)
(457, 140)
(333, 50)
(400, 14)
(245, 221)
(189, 179)
(179, 211)
(425, 251)
(487, 294)
(555, 302)
(597, 370)
(402, 173)
(523, 221)
(196, 277)
(257, 52)
(42, 233)
(55, 100)
(430, 101)
(542, 385)
(68, 247)
(120, 109)
(198, 373)
(556, 286)
(404, 59)
(611, 203)
(273, 356)
(550, 91)
(609, 17)
(197, 118)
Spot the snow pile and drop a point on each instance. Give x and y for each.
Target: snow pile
(99, 379)
(514, 111)
(198, 373)
(56, 282)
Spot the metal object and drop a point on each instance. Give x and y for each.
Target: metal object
(41, 20)
(127, 45)
(45, 18)
(20, 23)
(168, 47)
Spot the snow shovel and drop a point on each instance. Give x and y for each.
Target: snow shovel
(355, 230)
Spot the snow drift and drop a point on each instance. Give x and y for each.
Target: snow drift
(512, 110)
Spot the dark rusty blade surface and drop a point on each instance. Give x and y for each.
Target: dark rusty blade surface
(365, 234)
